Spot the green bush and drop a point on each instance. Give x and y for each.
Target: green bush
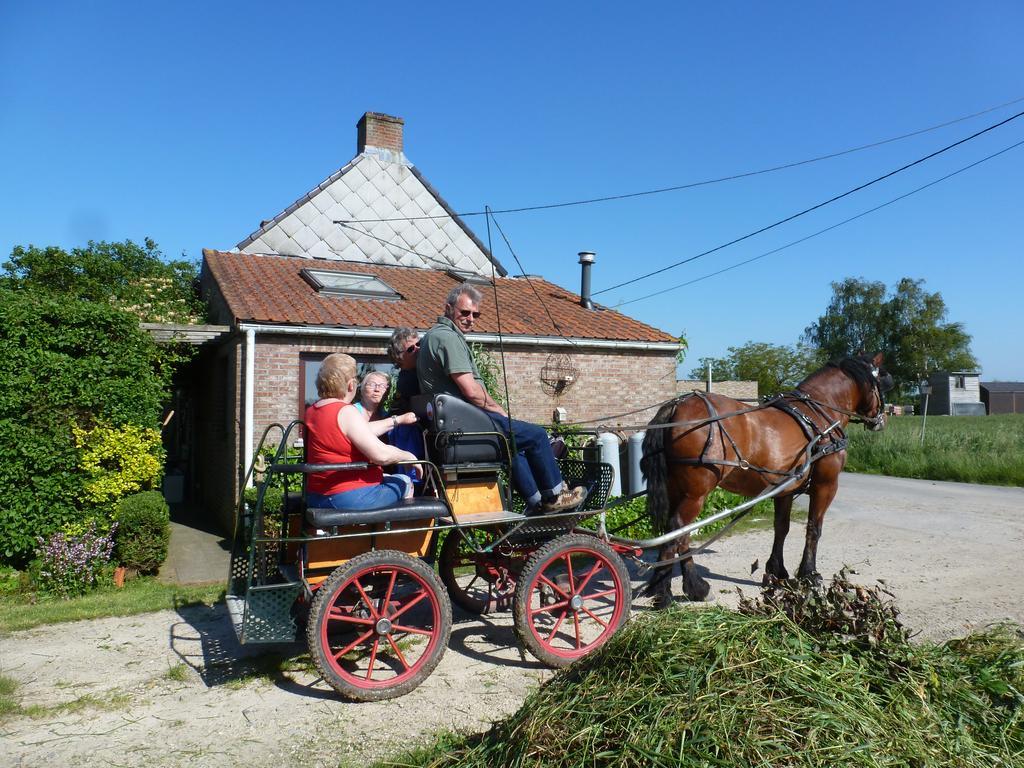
(143, 531)
(64, 363)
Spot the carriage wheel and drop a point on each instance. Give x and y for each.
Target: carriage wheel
(478, 582)
(573, 594)
(379, 625)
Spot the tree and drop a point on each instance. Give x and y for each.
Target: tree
(125, 275)
(81, 384)
(775, 367)
(909, 326)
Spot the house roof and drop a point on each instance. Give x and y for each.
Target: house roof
(271, 290)
(1003, 386)
(419, 229)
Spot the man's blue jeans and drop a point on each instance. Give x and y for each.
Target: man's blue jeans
(534, 469)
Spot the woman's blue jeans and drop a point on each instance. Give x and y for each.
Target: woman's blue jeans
(391, 490)
(534, 469)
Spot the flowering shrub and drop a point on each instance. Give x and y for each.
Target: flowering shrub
(71, 565)
(118, 461)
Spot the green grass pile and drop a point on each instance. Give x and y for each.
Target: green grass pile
(821, 677)
(968, 449)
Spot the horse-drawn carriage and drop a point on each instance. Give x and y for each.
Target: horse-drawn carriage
(377, 615)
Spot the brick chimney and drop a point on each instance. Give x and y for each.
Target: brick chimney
(381, 131)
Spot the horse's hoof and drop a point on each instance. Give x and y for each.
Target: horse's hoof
(698, 591)
(776, 572)
(661, 601)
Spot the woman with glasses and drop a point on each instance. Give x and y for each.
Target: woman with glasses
(336, 433)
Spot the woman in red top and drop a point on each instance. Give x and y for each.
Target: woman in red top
(336, 433)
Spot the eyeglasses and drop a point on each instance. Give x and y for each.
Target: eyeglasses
(468, 312)
(375, 385)
(412, 347)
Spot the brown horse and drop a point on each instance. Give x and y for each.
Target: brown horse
(702, 441)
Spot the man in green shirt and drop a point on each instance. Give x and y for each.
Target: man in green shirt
(445, 366)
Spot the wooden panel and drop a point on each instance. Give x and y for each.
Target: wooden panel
(469, 498)
(328, 554)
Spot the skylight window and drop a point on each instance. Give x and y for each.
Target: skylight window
(466, 276)
(349, 284)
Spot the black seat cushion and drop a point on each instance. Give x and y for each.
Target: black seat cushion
(451, 423)
(408, 509)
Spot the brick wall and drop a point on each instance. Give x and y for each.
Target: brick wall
(606, 383)
(740, 390)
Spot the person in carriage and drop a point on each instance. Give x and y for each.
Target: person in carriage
(337, 433)
(445, 365)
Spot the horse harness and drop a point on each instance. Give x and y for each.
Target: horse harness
(832, 440)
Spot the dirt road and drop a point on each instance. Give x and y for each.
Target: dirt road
(175, 689)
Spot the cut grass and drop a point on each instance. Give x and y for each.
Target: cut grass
(713, 687)
(11, 706)
(967, 449)
(144, 595)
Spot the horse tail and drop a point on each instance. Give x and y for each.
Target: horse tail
(654, 468)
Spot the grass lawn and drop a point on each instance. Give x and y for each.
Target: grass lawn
(17, 611)
(969, 449)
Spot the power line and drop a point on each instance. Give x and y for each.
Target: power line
(445, 264)
(804, 212)
(821, 231)
(693, 184)
(528, 280)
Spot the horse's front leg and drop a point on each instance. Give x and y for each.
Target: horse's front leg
(775, 566)
(822, 492)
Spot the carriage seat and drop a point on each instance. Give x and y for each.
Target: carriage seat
(451, 422)
(408, 509)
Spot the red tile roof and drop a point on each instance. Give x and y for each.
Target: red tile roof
(270, 289)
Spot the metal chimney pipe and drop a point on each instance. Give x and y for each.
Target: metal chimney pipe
(587, 260)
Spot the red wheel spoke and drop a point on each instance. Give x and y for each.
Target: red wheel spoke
(595, 569)
(373, 657)
(398, 653)
(576, 623)
(358, 641)
(557, 625)
(590, 613)
(549, 608)
(572, 583)
(423, 594)
(411, 630)
(374, 613)
(348, 618)
(550, 583)
(391, 586)
(595, 595)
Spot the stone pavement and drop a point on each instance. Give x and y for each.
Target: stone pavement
(198, 553)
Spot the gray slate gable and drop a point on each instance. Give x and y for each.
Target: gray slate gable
(377, 184)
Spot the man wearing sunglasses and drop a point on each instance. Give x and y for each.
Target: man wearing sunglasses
(445, 366)
(402, 349)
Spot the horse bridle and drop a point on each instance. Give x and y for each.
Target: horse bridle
(871, 422)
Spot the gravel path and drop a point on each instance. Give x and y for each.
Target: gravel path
(175, 688)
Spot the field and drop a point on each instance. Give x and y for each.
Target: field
(969, 449)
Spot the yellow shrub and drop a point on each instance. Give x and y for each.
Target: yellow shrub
(118, 461)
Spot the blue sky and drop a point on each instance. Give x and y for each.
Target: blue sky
(190, 122)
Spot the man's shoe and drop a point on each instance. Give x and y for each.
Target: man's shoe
(566, 500)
